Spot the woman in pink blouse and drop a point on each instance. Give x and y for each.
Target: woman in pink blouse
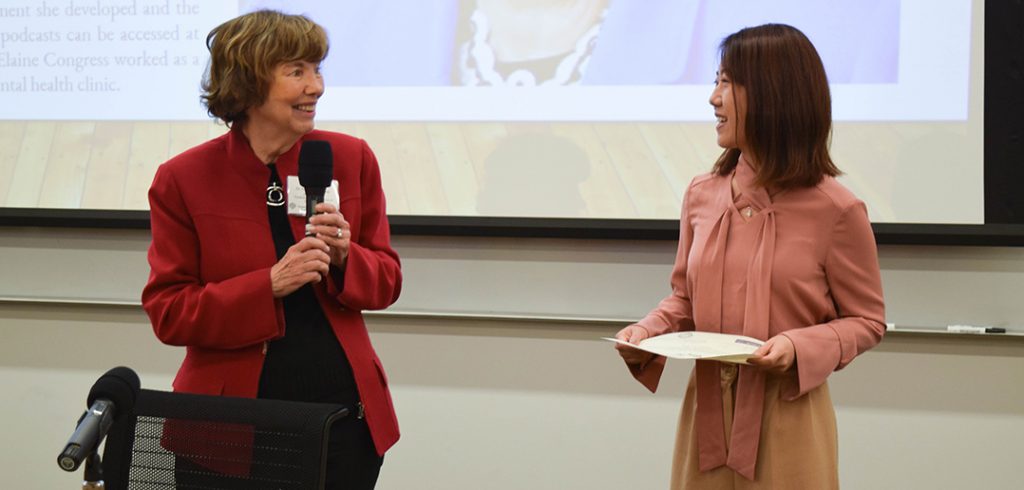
(771, 246)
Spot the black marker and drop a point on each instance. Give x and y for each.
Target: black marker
(973, 329)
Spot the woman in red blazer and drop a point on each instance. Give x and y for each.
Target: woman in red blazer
(267, 304)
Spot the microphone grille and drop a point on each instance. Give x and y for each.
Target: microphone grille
(120, 385)
(316, 164)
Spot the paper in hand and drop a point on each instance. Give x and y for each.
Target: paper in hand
(700, 345)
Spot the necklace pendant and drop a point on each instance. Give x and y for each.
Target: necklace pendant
(748, 212)
(275, 195)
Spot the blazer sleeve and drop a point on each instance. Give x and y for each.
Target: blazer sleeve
(372, 278)
(855, 284)
(186, 311)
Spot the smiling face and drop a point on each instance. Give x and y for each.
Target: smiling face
(290, 106)
(730, 104)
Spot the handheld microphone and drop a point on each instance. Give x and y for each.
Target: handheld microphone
(316, 169)
(111, 396)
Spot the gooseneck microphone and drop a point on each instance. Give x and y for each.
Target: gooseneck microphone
(316, 169)
(110, 397)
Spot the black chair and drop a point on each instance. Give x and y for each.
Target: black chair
(184, 441)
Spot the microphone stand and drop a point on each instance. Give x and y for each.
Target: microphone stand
(93, 473)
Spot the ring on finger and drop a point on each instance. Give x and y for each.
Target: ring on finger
(340, 233)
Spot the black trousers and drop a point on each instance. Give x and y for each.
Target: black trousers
(352, 460)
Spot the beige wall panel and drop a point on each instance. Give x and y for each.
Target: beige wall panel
(913, 401)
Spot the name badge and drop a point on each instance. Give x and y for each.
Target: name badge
(297, 196)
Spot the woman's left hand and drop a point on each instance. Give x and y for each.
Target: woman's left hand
(777, 355)
(330, 226)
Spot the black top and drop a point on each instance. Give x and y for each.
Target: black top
(308, 363)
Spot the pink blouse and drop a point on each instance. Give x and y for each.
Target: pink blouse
(802, 263)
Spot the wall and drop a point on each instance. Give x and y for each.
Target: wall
(500, 402)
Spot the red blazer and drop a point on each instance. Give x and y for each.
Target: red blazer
(209, 285)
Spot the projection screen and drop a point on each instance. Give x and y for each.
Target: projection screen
(554, 109)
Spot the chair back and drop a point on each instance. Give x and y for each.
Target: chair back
(180, 440)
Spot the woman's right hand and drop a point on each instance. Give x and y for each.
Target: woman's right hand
(633, 334)
(305, 262)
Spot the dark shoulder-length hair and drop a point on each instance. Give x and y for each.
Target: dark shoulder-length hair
(244, 52)
(788, 111)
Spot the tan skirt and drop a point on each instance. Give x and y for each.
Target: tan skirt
(798, 447)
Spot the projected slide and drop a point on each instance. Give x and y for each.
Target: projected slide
(591, 108)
